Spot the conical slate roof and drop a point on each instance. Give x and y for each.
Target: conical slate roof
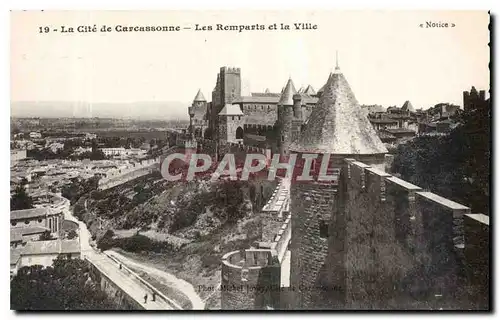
(267, 90)
(199, 96)
(287, 94)
(407, 106)
(323, 87)
(338, 125)
(309, 90)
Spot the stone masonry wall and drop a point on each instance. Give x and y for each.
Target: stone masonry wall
(309, 249)
(477, 255)
(260, 114)
(250, 279)
(285, 117)
(121, 299)
(391, 244)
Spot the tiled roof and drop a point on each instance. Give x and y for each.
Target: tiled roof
(307, 99)
(323, 87)
(29, 213)
(51, 247)
(400, 130)
(287, 95)
(407, 106)
(265, 94)
(199, 96)
(386, 135)
(272, 98)
(231, 110)
(382, 120)
(15, 254)
(32, 230)
(258, 99)
(310, 90)
(338, 125)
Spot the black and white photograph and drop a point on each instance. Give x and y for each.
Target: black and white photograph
(250, 160)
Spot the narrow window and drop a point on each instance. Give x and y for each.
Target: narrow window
(323, 229)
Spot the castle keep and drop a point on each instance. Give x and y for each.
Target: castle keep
(263, 118)
(365, 239)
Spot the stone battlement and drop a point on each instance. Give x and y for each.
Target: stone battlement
(385, 187)
(230, 70)
(247, 277)
(282, 239)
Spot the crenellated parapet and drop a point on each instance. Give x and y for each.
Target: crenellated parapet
(250, 280)
(282, 239)
(399, 239)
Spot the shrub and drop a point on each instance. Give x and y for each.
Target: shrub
(72, 234)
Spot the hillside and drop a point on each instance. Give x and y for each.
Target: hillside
(181, 228)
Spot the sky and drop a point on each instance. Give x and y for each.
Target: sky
(386, 57)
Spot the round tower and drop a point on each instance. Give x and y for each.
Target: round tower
(297, 106)
(250, 280)
(285, 118)
(336, 129)
(191, 120)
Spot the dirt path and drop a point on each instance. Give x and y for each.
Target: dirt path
(168, 279)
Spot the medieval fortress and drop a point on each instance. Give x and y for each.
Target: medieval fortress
(367, 240)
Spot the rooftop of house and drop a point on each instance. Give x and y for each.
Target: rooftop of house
(385, 120)
(399, 130)
(30, 213)
(51, 247)
(15, 255)
(386, 135)
(272, 98)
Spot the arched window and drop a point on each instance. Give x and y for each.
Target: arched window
(239, 133)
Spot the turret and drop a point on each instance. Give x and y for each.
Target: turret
(191, 115)
(336, 129)
(297, 106)
(285, 117)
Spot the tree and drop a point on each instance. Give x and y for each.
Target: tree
(46, 236)
(456, 166)
(72, 234)
(66, 285)
(20, 199)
